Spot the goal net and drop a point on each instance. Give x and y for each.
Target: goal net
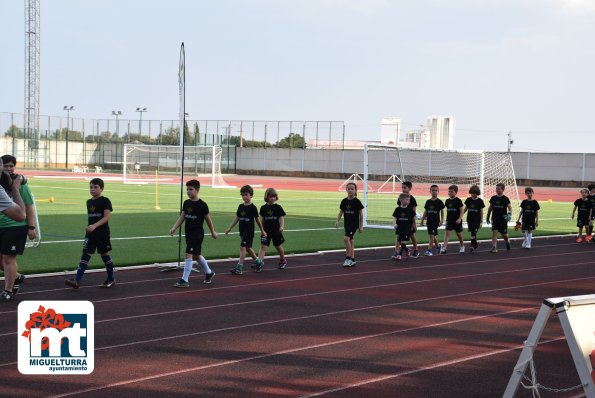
(385, 167)
(163, 163)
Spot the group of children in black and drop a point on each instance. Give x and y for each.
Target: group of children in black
(499, 213)
(271, 223)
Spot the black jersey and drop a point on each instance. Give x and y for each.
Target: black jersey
(270, 215)
(351, 209)
(246, 215)
(194, 215)
(499, 207)
(529, 208)
(412, 202)
(95, 209)
(405, 217)
(592, 199)
(433, 208)
(453, 209)
(474, 207)
(583, 208)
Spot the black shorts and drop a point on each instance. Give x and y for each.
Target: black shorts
(12, 240)
(581, 222)
(404, 237)
(433, 229)
(100, 242)
(453, 226)
(528, 225)
(277, 239)
(350, 231)
(246, 241)
(500, 226)
(473, 227)
(194, 243)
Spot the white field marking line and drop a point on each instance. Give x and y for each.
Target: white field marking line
(168, 236)
(299, 349)
(424, 368)
(308, 279)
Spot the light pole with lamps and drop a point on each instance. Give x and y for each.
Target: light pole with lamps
(140, 121)
(67, 108)
(117, 114)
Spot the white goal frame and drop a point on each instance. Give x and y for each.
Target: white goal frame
(386, 163)
(148, 163)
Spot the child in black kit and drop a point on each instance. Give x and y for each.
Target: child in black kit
(583, 218)
(97, 235)
(530, 216)
(474, 208)
(272, 217)
(454, 218)
(403, 220)
(434, 215)
(352, 208)
(246, 215)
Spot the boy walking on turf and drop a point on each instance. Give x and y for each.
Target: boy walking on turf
(272, 217)
(406, 187)
(194, 212)
(474, 208)
(403, 218)
(434, 214)
(454, 218)
(500, 211)
(530, 217)
(583, 218)
(97, 235)
(246, 214)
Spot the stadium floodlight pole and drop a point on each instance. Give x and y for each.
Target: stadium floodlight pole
(510, 140)
(67, 108)
(182, 114)
(117, 114)
(140, 121)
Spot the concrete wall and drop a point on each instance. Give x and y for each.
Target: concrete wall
(530, 167)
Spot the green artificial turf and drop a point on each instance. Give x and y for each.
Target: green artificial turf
(140, 232)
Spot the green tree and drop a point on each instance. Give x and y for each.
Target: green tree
(14, 131)
(293, 140)
(196, 134)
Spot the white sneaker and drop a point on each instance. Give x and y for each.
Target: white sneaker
(524, 244)
(462, 250)
(347, 262)
(528, 246)
(428, 253)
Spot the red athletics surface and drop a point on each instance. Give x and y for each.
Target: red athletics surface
(443, 326)
(298, 183)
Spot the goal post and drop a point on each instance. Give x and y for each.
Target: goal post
(141, 163)
(422, 167)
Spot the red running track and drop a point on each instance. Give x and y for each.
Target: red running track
(306, 184)
(446, 326)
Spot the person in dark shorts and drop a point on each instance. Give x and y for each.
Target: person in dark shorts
(583, 217)
(194, 212)
(591, 188)
(272, 217)
(474, 208)
(499, 214)
(434, 217)
(406, 187)
(246, 215)
(529, 215)
(97, 235)
(403, 218)
(351, 207)
(454, 218)
(14, 234)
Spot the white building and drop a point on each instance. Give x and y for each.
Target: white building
(438, 133)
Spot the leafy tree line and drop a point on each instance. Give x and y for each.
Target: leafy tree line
(169, 136)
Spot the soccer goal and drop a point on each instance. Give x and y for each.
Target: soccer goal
(386, 165)
(162, 163)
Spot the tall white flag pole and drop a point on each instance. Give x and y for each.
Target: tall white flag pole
(182, 86)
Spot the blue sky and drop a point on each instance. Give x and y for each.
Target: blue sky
(519, 65)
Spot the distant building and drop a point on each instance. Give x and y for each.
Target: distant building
(438, 133)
